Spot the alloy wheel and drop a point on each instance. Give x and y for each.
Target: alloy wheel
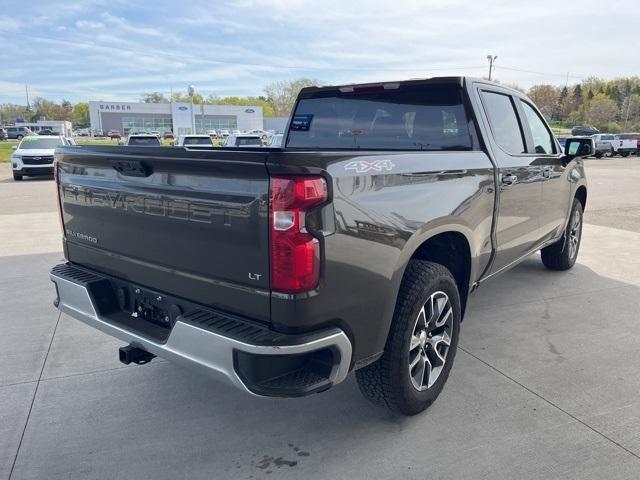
(575, 230)
(430, 341)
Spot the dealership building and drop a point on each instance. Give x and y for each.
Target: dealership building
(179, 118)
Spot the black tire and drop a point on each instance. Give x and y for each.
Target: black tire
(17, 177)
(19, 137)
(560, 255)
(598, 155)
(625, 154)
(387, 382)
(612, 152)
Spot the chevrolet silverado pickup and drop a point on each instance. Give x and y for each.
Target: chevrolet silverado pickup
(353, 247)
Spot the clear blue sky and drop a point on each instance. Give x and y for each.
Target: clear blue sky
(93, 50)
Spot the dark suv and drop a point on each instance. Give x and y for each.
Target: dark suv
(584, 130)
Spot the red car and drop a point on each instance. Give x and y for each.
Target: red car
(167, 136)
(114, 135)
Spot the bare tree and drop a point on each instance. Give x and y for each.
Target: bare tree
(602, 109)
(282, 95)
(545, 97)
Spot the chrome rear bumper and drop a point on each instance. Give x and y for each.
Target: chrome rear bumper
(209, 350)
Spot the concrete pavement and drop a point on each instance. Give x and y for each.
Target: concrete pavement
(545, 385)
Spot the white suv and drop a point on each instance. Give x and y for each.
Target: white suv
(34, 155)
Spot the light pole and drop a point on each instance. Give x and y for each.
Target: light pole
(191, 90)
(491, 58)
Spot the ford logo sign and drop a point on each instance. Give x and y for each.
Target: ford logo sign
(249, 110)
(182, 108)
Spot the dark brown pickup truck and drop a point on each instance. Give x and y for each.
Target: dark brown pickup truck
(351, 248)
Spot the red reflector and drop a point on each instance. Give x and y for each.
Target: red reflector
(295, 253)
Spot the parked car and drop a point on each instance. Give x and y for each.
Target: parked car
(142, 140)
(168, 136)
(47, 131)
(114, 134)
(18, 133)
(603, 144)
(3, 134)
(275, 140)
(242, 141)
(98, 133)
(212, 133)
(156, 133)
(261, 133)
(632, 136)
(354, 248)
(624, 146)
(83, 132)
(224, 133)
(33, 156)
(584, 130)
(200, 140)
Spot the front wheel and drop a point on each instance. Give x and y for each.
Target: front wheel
(17, 177)
(562, 254)
(625, 154)
(421, 344)
(598, 155)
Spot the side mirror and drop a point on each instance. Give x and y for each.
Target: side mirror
(578, 147)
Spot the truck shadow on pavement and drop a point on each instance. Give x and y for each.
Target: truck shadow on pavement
(531, 342)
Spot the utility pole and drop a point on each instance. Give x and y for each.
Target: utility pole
(26, 89)
(626, 118)
(491, 58)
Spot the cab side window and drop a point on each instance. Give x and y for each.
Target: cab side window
(542, 139)
(505, 126)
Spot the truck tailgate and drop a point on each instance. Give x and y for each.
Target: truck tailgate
(193, 223)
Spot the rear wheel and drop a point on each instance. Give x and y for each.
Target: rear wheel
(612, 152)
(625, 154)
(562, 254)
(20, 137)
(598, 155)
(421, 344)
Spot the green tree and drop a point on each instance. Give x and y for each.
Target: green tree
(559, 113)
(80, 115)
(282, 95)
(576, 98)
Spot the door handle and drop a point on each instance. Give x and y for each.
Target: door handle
(509, 179)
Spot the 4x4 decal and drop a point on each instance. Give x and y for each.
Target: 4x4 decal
(362, 166)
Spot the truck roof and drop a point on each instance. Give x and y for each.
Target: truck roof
(346, 88)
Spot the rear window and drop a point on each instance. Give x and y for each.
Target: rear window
(606, 137)
(629, 136)
(197, 141)
(248, 141)
(33, 143)
(144, 141)
(409, 117)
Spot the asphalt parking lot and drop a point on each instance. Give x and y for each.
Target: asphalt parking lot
(545, 386)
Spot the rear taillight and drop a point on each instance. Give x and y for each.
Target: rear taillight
(295, 253)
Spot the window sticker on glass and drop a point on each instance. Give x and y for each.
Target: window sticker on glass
(301, 122)
(573, 148)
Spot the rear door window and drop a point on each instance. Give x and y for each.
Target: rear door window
(383, 117)
(542, 139)
(505, 126)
